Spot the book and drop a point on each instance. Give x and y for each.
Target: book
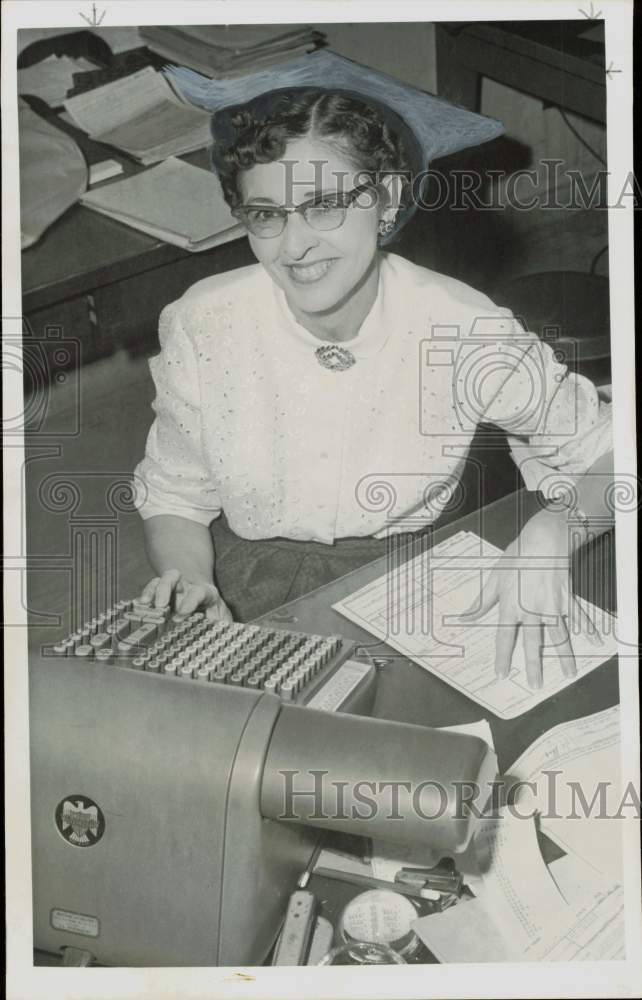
(141, 115)
(51, 78)
(230, 49)
(174, 201)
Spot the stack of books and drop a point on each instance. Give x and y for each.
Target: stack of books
(175, 202)
(228, 50)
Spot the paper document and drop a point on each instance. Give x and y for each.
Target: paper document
(517, 887)
(520, 913)
(593, 932)
(467, 933)
(141, 115)
(576, 878)
(414, 609)
(51, 78)
(174, 201)
(579, 797)
(516, 897)
(104, 171)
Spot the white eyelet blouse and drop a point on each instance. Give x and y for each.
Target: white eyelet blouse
(249, 422)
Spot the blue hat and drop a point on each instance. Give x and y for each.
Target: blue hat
(439, 127)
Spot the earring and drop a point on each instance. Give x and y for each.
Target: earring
(385, 227)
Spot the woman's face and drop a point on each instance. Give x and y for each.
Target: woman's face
(317, 270)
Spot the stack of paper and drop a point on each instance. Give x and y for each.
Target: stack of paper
(141, 115)
(51, 78)
(524, 911)
(175, 201)
(415, 607)
(229, 49)
(571, 775)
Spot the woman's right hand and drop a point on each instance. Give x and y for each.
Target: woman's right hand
(188, 596)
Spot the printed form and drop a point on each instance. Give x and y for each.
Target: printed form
(522, 912)
(414, 609)
(573, 772)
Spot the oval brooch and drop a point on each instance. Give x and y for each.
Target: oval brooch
(335, 358)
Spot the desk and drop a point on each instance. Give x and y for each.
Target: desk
(548, 60)
(103, 282)
(408, 693)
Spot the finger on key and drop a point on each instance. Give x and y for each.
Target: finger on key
(219, 611)
(190, 600)
(166, 586)
(149, 591)
(226, 614)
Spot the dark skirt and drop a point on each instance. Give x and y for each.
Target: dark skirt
(256, 576)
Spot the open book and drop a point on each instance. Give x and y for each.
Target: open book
(141, 115)
(174, 201)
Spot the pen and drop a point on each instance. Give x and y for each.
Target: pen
(304, 878)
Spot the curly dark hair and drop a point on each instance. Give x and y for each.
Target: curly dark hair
(373, 137)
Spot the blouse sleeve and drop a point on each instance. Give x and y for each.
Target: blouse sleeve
(173, 478)
(554, 419)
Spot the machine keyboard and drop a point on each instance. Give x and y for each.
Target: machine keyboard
(293, 665)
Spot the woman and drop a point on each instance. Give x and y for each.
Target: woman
(285, 389)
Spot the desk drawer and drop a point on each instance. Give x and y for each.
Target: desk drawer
(125, 313)
(130, 308)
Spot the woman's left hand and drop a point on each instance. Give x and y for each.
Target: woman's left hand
(532, 585)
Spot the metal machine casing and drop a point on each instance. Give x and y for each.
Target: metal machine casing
(162, 833)
(183, 838)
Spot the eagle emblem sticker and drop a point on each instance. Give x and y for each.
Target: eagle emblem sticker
(80, 821)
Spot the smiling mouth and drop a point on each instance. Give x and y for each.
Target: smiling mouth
(305, 274)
